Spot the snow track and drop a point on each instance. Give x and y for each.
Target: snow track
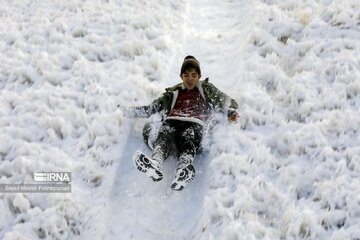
(140, 207)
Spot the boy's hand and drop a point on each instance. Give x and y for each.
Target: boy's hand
(233, 116)
(126, 111)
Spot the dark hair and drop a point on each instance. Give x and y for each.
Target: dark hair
(189, 63)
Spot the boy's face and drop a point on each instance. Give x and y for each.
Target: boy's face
(190, 78)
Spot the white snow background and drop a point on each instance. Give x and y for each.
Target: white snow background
(288, 169)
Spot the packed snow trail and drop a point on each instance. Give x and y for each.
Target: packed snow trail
(141, 207)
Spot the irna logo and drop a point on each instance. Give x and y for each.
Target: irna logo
(52, 176)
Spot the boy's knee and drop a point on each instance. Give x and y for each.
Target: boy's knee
(146, 133)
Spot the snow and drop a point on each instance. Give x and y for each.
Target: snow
(288, 169)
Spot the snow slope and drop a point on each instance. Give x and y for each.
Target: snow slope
(289, 169)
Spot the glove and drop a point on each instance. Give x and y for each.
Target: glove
(128, 112)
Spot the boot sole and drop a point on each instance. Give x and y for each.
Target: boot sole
(183, 179)
(143, 164)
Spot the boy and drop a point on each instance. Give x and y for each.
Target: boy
(185, 108)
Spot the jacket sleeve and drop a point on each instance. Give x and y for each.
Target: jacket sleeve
(146, 110)
(221, 101)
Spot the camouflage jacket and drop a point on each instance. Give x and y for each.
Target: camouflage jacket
(216, 99)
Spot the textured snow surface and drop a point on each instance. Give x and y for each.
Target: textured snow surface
(288, 169)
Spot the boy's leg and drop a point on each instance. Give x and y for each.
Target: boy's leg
(150, 132)
(153, 165)
(146, 134)
(188, 142)
(163, 143)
